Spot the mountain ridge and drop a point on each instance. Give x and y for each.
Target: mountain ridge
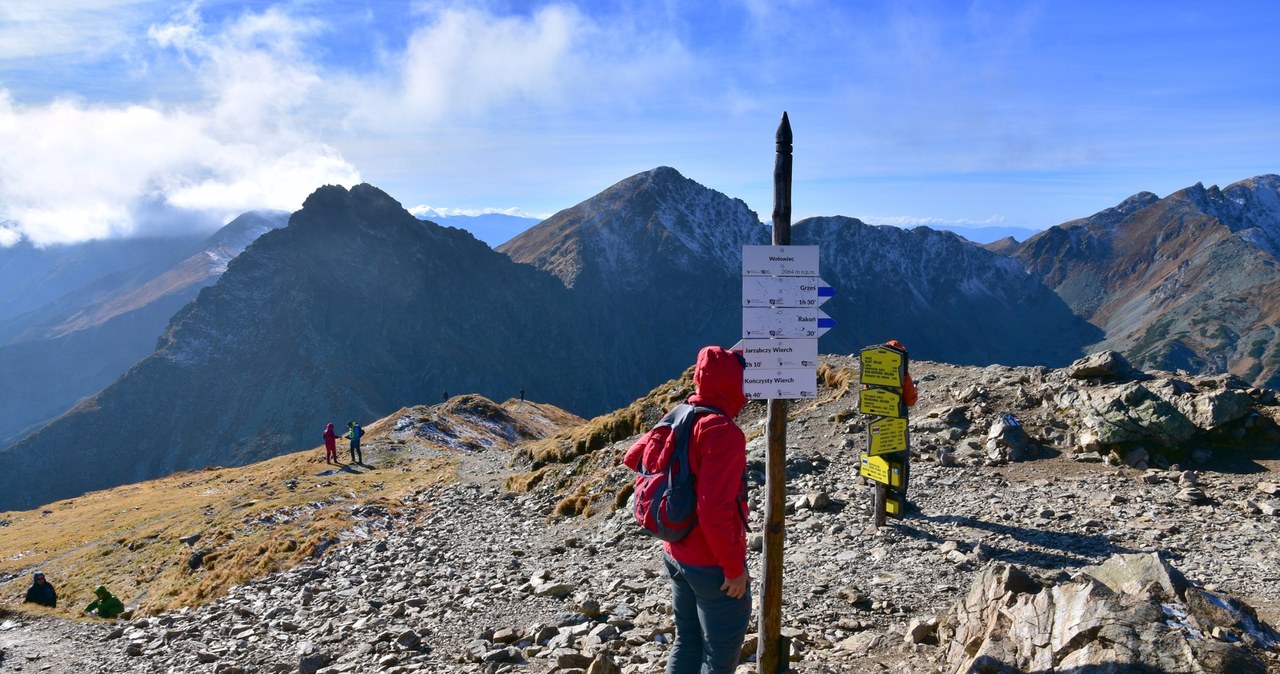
(1189, 281)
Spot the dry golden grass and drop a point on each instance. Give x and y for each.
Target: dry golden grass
(609, 428)
(252, 521)
(838, 379)
(525, 482)
(571, 462)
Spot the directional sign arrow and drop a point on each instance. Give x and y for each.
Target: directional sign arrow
(825, 323)
(825, 292)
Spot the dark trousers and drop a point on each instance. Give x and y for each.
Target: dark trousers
(356, 455)
(710, 625)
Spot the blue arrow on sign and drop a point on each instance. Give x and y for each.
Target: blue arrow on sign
(825, 323)
(825, 292)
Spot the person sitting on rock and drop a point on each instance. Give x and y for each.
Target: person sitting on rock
(41, 592)
(105, 606)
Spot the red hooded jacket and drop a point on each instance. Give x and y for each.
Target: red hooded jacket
(330, 439)
(718, 459)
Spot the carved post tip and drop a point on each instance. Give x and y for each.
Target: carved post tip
(784, 129)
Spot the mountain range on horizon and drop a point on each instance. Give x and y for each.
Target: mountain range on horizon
(357, 308)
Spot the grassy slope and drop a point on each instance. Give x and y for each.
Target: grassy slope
(252, 520)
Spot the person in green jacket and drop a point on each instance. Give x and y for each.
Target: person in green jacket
(354, 433)
(106, 605)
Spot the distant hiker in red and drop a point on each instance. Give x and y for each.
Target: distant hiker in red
(330, 444)
(908, 386)
(710, 587)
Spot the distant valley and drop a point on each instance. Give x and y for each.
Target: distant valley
(76, 317)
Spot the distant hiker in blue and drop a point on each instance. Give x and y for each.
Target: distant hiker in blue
(41, 592)
(353, 434)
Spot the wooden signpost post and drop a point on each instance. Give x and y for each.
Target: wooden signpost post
(771, 654)
(887, 458)
(781, 323)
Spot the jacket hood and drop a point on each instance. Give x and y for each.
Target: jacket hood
(717, 377)
(329, 427)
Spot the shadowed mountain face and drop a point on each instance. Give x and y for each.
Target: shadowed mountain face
(354, 310)
(1186, 282)
(943, 297)
(72, 347)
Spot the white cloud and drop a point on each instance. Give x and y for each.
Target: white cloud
(266, 119)
(466, 64)
(73, 170)
(41, 28)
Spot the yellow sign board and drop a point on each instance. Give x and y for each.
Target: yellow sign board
(881, 402)
(886, 471)
(883, 366)
(894, 505)
(886, 435)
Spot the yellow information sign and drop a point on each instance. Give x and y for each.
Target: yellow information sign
(893, 505)
(885, 470)
(881, 402)
(886, 435)
(882, 366)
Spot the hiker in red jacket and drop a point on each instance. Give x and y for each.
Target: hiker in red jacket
(330, 444)
(908, 387)
(710, 587)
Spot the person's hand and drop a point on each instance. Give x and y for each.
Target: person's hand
(736, 587)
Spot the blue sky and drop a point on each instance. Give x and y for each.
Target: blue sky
(120, 117)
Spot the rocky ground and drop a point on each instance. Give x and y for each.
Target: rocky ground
(471, 578)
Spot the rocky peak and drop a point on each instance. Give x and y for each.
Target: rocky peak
(650, 222)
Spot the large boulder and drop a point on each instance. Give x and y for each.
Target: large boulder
(1208, 402)
(1127, 413)
(1104, 365)
(1132, 613)
(1007, 440)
